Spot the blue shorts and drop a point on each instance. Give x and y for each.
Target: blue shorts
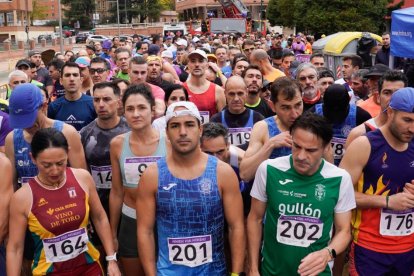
(363, 262)
(2, 260)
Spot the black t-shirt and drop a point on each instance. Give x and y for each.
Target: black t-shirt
(263, 108)
(361, 115)
(44, 77)
(236, 120)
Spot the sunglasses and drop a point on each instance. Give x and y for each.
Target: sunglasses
(97, 70)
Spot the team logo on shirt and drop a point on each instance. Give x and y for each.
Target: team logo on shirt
(286, 181)
(50, 211)
(42, 202)
(71, 118)
(205, 185)
(412, 164)
(72, 192)
(346, 130)
(384, 158)
(320, 192)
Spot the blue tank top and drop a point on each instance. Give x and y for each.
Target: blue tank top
(25, 169)
(273, 131)
(190, 223)
(340, 131)
(132, 166)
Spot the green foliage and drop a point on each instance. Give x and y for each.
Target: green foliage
(321, 16)
(39, 11)
(141, 9)
(79, 10)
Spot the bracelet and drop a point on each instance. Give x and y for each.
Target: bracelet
(387, 199)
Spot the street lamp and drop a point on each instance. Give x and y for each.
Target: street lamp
(60, 27)
(260, 15)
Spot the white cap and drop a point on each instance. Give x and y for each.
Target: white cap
(181, 42)
(191, 109)
(167, 54)
(198, 52)
(196, 39)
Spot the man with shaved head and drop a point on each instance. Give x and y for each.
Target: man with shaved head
(236, 116)
(260, 58)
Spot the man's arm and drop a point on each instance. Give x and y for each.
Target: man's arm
(316, 262)
(233, 210)
(220, 98)
(17, 229)
(159, 108)
(146, 206)
(9, 150)
(258, 150)
(254, 234)
(354, 161)
(355, 133)
(6, 192)
(76, 154)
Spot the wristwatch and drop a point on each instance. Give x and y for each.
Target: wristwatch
(332, 252)
(111, 258)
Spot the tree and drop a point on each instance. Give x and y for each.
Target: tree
(79, 10)
(38, 12)
(321, 16)
(141, 9)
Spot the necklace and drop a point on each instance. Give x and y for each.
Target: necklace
(53, 185)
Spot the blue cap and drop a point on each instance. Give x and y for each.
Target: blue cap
(24, 104)
(403, 100)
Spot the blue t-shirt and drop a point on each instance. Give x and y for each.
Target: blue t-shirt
(77, 113)
(226, 70)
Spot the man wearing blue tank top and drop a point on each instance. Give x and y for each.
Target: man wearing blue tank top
(236, 117)
(190, 210)
(270, 138)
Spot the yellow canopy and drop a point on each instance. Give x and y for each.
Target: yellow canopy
(339, 41)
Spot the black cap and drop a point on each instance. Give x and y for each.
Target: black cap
(377, 70)
(336, 103)
(89, 46)
(23, 62)
(153, 49)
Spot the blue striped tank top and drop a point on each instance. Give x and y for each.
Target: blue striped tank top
(190, 223)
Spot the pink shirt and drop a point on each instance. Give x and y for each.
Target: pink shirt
(157, 91)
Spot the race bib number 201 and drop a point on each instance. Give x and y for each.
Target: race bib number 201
(190, 251)
(396, 223)
(66, 246)
(298, 230)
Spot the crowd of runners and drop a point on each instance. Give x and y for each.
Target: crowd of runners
(207, 155)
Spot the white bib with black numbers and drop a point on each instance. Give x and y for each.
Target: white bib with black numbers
(298, 230)
(66, 246)
(102, 175)
(396, 223)
(190, 251)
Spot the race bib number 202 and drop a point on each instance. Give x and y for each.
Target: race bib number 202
(190, 251)
(298, 230)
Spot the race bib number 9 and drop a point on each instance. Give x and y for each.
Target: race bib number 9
(66, 246)
(239, 136)
(338, 146)
(298, 230)
(205, 117)
(135, 167)
(190, 251)
(396, 223)
(102, 176)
